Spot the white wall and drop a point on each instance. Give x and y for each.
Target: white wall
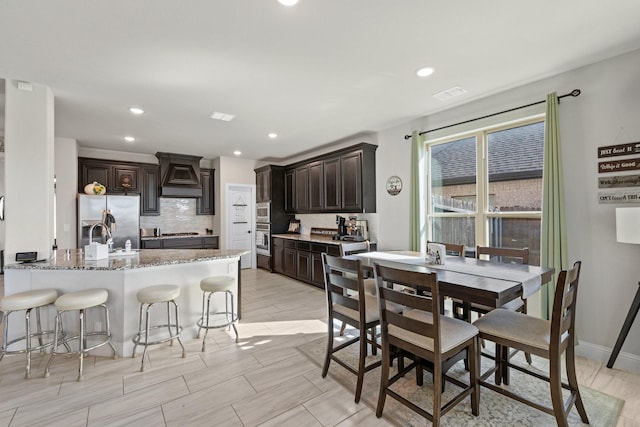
(29, 170)
(66, 171)
(605, 114)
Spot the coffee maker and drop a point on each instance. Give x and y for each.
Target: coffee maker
(342, 228)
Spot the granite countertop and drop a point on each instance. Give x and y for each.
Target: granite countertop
(138, 259)
(192, 236)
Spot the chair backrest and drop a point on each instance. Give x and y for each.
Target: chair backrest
(354, 247)
(343, 277)
(563, 316)
(452, 248)
(427, 326)
(512, 255)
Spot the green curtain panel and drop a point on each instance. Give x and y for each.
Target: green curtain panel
(554, 234)
(417, 222)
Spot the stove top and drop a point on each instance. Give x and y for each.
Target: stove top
(185, 233)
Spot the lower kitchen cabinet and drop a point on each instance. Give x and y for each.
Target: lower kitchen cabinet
(209, 242)
(301, 260)
(263, 261)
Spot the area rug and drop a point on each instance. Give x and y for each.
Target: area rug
(495, 409)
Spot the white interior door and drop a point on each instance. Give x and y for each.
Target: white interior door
(240, 212)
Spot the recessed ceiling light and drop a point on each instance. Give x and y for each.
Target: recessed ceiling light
(136, 110)
(288, 2)
(273, 135)
(425, 72)
(237, 152)
(129, 139)
(222, 116)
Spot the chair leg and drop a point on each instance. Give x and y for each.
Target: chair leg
(233, 316)
(474, 361)
(135, 345)
(206, 330)
(81, 345)
(362, 356)
(419, 374)
(175, 306)
(327, 357)
(572, 379)
(374, 341)
(342, 328)
(555, 384)
(27, 318)
(498, 365)
(108, 331)
(437, 393)
(54, 349)
(146, 337)
(384, 378)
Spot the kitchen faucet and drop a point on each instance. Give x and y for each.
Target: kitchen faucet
(105, 228)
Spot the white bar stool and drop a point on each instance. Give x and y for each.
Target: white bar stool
(81, 301)
(26, 301)
(209, 286)
(147, 297)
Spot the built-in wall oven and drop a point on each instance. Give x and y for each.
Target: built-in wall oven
(263, 212)
(263, 239)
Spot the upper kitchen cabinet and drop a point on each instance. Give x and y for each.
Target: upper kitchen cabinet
(205, 204)
(118, 177)
(150, 190)
(270, 185)
(342, 181)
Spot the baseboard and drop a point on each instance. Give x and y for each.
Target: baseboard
(624, 361)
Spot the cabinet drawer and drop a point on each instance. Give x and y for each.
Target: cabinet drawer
(185, 243)
(333, 250)
(210, 242)
(304, 246)
(291, 244)
(151, 244)
(318, 248)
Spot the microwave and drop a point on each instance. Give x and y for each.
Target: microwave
(263, 212)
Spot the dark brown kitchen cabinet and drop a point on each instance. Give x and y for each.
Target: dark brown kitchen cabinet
(149, 191)
(351, 172)
(303, 262)
(93, 171)
(316, 187)
(196, 242)
(205, 205)
(125, 179)
(210, 242)
(290, 261)
(301, 183)
(332, 187)
(263, 185)
(301, 259)
(342, 182)
(151, 244)
(278, 255)
(118, 177)
(289, 191)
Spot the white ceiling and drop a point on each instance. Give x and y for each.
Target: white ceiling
(315, 73)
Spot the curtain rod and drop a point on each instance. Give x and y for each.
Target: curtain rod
(574, 93)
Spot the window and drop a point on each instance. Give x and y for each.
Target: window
(485, 187)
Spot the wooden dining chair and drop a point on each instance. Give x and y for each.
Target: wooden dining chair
(358, 248)
(451, 248)
(544, 338)
(430, 339)
(343, 277)
(508, 255)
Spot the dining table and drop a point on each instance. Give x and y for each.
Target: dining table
(471, 280)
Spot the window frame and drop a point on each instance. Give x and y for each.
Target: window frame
(482, 215)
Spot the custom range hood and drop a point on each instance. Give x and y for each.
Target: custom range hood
(180, 175)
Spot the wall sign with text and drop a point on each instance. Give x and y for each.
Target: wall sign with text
(617, 183)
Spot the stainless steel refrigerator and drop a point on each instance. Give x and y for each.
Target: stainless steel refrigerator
(125, 212)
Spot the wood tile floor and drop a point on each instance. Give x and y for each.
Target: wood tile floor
(263, 380)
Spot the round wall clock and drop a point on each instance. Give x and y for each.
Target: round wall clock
(394, 185)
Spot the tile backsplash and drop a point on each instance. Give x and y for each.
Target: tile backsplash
(178, 216)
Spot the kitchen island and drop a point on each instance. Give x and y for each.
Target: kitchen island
(123, 275)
